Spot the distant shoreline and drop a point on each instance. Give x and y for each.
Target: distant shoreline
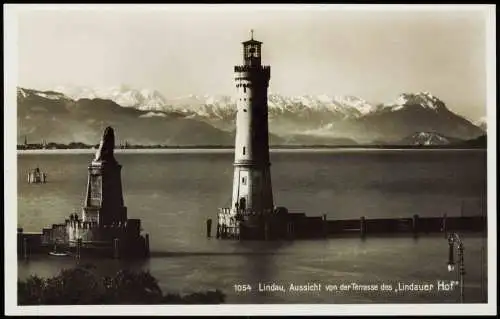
(478, 143)
(81, 146)
(231, 149)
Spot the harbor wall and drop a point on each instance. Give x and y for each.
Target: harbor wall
(300, 226)
(76, 237)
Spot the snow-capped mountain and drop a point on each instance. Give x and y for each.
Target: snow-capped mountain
(322, 116)
(220, 106)
(338, 106)
(224, 107)
(428, 138)
(360, 105)
(206, 105)
(23, 93)
(144, 99)
(216, 107)
(414, 112)
(422, 99)
(46, 115)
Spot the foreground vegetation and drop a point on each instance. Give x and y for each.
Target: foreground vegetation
(81, 286)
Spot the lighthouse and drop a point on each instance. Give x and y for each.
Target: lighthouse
(252, 191)
(252, 196)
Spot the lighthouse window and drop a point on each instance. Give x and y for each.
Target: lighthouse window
(243, 180)
(244, 110)
(244, 149)
(244, 89)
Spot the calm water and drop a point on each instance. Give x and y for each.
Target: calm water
(174, 192)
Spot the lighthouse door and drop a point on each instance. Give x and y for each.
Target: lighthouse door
(243, 203)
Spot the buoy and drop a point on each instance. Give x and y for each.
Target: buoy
(362, 227)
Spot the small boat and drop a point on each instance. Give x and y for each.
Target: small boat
(36, 176)
(53, 253)
(58, 253)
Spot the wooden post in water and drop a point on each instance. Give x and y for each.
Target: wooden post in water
(415, 225)
(25, 248)
(78, 248)
(266, 230)
(443, 227)
(362, 226)
(325, 226)
(289, 230)
(19, 241)
(146, 239)
(241, 231)
(209, 227)
(116, 247)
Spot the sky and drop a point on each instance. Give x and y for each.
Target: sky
(181, 50)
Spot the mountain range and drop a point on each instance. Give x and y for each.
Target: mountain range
(68, 114)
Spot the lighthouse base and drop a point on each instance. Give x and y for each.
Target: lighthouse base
(276, 225)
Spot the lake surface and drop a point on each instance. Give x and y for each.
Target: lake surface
(173, 192)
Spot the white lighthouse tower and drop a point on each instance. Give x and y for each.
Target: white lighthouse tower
(252, 189)
(252, 196)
